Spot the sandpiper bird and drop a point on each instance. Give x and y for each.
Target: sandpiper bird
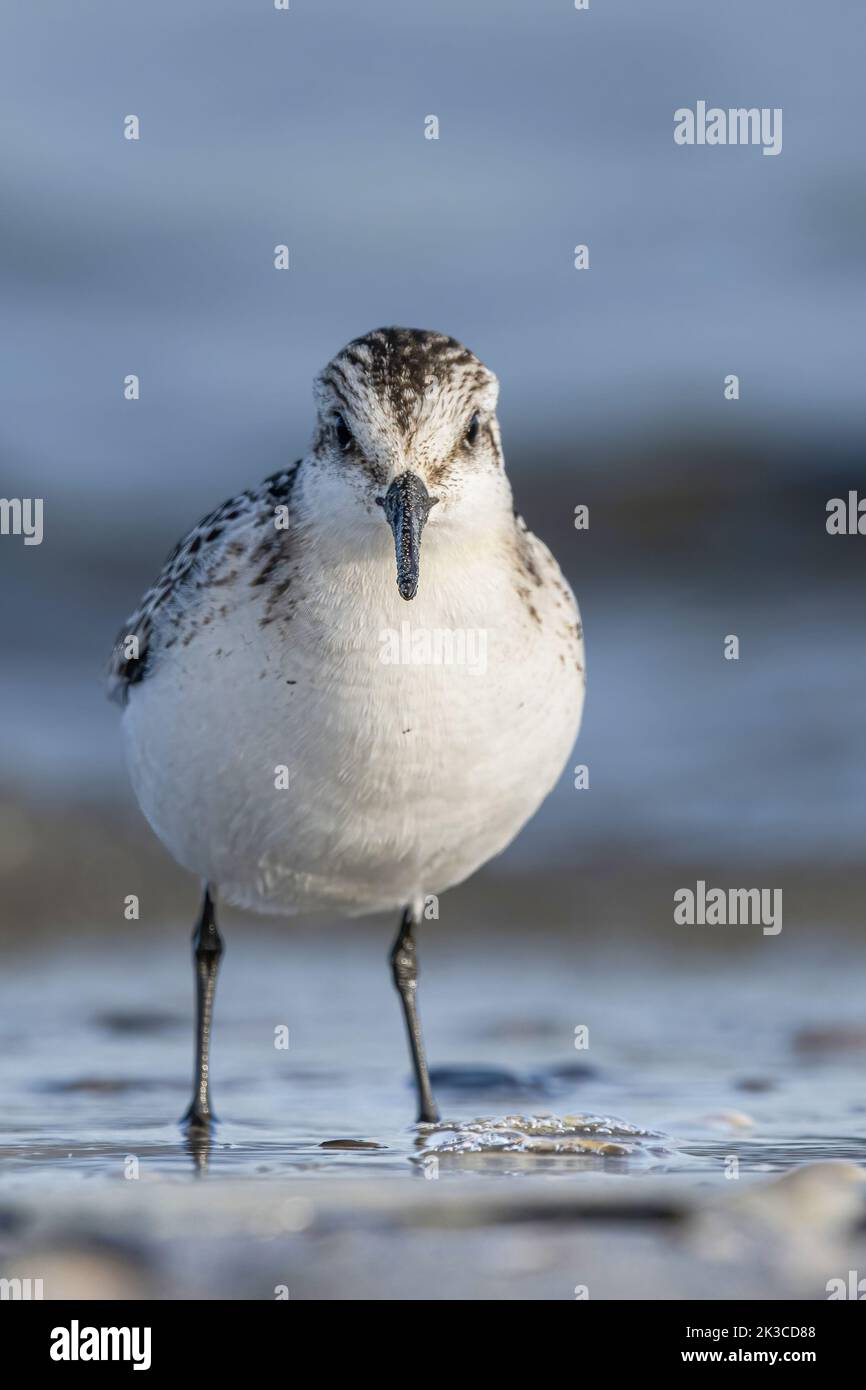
(291, 738)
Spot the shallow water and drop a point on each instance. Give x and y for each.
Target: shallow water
(690, 1061)
(553, 1169)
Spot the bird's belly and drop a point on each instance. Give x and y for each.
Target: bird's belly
(356, 775)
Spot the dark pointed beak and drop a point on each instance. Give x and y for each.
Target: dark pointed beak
(407, 505)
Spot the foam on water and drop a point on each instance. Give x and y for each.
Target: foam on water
(540, 1135)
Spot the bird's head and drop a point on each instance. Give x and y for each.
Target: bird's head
(407, 438)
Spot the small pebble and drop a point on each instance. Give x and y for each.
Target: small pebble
(351, 1144)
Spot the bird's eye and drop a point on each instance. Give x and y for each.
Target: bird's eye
(472, 429)
(343, 433)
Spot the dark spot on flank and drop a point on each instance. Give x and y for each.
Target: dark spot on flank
(265, 547)
(265, 573)
(530, 607)
(529, 566)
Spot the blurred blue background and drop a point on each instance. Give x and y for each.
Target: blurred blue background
(306, 127)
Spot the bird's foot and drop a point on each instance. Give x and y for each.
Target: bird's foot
(198, 1119)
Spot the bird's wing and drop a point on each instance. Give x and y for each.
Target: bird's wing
(188, 564)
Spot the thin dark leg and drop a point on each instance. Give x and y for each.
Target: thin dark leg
(207, 948)
(404, 966)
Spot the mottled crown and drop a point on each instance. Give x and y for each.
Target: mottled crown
(404, 371)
